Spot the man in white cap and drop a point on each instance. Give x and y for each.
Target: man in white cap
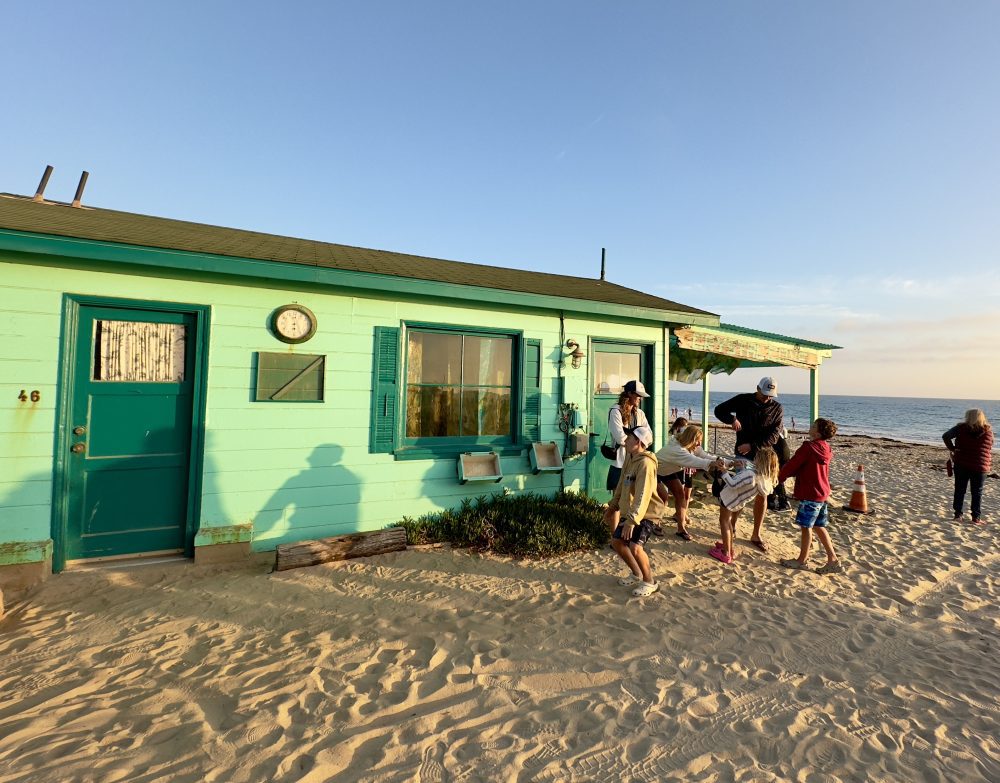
(640, 507)
(757, 418)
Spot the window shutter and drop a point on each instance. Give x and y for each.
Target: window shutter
(385, 394)
(531, 417)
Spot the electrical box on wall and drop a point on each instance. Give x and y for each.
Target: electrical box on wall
(579, 443)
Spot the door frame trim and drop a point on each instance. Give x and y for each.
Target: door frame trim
(64, 406)
(647, 356)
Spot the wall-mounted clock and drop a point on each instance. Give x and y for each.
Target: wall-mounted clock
(293, 323)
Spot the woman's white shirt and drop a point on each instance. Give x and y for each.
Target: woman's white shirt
(616, 429)
(674, 457)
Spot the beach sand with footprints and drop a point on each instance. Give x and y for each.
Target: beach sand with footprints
(443, 665)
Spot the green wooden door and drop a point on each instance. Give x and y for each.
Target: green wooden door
(615, 364)
(131, 422)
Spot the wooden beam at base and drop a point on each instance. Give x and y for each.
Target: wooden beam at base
(326, 550)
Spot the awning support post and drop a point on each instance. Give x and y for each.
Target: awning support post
(704, 408)
(813, 394)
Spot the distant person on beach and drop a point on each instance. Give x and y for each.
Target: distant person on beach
(626, 413)
(756, 417)
(970, 443)
(636, 502)
(683, 452)
(746, 481)
(810, 466)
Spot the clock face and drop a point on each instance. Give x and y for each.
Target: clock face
(294, 323)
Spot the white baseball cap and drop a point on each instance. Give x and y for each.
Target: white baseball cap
(768, 387)
(636, 387)
(643, 433)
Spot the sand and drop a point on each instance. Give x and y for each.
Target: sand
(443, 665)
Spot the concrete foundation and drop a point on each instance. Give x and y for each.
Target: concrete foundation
(18, 578)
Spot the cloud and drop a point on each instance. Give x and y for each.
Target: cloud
(947, 288)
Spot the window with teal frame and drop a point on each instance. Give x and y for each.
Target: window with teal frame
(441, 390)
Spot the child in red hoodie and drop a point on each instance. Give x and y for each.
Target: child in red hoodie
(810, 466)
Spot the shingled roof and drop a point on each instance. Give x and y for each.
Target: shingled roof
(20, 213)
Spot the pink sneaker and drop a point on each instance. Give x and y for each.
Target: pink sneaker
(720, 555)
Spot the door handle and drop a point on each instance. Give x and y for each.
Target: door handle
(77, 448)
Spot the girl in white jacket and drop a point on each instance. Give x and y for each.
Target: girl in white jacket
(683, 451)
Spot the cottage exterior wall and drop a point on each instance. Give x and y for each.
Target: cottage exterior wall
(293, 470)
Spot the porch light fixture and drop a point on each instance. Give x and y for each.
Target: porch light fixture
(577, 355)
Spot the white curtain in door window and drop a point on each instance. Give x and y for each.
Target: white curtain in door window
(138, 352)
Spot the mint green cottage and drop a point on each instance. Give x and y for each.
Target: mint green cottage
(171, 387)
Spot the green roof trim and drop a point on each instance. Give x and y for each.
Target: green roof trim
(185, 245)
(776, 338)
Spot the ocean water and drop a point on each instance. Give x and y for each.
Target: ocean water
(909, 419)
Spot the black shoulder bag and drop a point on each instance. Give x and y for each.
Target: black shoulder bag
(609, 452)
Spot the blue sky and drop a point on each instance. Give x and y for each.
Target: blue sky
(827, 170)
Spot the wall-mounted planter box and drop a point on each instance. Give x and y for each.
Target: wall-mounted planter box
(545, 458)
(482, 466)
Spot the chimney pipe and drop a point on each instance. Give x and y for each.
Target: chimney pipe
(40, 193)
(602, 263)
(79, 189)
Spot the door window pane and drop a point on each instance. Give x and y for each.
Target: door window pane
(613, 370)
(138, 352)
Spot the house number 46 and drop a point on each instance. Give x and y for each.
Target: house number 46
(34, 395)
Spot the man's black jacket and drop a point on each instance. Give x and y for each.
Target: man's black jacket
(760, 422)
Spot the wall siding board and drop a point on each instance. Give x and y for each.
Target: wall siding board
(25, 523)
(31, 491)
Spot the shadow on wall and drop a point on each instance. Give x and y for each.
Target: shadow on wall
(320, 500)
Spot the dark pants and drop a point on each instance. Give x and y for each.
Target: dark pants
(778, 500)
(968, 478)
(614, 474)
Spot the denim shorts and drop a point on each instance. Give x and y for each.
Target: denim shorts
(812, 513)
(640, 532)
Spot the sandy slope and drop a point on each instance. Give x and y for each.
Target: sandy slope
(440, 665)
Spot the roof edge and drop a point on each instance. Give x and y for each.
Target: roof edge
(31, 243)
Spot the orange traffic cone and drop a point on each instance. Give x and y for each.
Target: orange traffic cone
(859, 500)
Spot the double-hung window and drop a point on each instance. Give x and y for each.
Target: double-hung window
(459, 385)
(440, 390)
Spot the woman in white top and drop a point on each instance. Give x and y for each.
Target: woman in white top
(626, 413)
(683, 451)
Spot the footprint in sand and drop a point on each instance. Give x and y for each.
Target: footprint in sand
(431, 768)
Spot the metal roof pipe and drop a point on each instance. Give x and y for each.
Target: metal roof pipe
(79, 189)
(40, 193)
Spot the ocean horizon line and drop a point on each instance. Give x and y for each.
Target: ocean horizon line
(692, 388)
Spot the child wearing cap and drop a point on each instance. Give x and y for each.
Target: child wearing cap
(640, 509)
(810, 466)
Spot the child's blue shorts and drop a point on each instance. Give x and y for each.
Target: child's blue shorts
(812, 513)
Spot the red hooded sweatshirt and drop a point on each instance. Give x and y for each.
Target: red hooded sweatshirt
(810, 466)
